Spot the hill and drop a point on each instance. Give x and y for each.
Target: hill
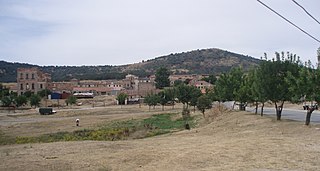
(206, 61)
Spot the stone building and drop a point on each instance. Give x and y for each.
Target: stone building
(33, 80)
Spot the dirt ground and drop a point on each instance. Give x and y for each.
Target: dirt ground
(232, 141)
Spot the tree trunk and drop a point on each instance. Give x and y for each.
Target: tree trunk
(308, 117)
(279, 110)
(233, 105)
(162, 107)
(261, 112)
(242, 107)
(256, 112)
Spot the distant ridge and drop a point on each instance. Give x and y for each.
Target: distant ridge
(205, 61)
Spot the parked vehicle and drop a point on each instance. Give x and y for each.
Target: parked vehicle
(46, 111)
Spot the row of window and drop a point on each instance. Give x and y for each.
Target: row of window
(28, 86)
(27, 76)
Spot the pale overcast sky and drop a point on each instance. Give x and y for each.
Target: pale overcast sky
(115, 32)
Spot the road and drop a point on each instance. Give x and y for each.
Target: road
(293, 114)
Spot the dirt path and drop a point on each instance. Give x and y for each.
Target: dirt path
(234, 141)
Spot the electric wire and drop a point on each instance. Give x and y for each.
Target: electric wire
(289, 21)
(305, 11)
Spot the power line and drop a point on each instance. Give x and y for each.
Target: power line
(305, 11)
(289, 21)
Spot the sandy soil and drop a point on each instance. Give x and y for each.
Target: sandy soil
(233, 141)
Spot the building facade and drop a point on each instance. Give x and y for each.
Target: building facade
(33, 80)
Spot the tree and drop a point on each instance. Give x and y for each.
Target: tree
(242, 94)
(318, 57)
(7, 101)
(204, 102)
(44, 93)
(162, 78)
(258, 89)
(177, 83)
(170, 94)
(35, 100)
(152, 100)
(162, 99)
(305, 87)
(210, 79)
(184, 94)
(71, 100)
(3, 91)
(21, 100)
(28, 94)
(195, 94)
(122, 98)
(228, 85)
(274, 80)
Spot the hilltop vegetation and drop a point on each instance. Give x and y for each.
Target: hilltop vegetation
(206, 61)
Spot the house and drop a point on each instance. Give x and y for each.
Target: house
(33, 80)
(202, 85)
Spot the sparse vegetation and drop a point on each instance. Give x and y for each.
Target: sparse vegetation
(119, 130)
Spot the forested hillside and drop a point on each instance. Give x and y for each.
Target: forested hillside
(206, 61)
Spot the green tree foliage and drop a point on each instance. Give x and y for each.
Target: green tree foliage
(195, 94)
(257, 92)
(177, 83)
(210, 79)
(3, 91)
(35, 100)
(122, 98)
(305, 87)
(170, 94)
(44, 93)
(21, 100)
(243, 93)
(28, 94)
(163, 99)
(71, 100)
(228, 86)
(184, 94)
(274, 80)
(8, 101)
(162, 78)
(152, 100)
(204, 102)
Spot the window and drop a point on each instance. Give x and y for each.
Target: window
(21, 86)
(27, 76)
(32, 86)
(27, 86)
(21, 75)
(32, 76)
(41, 86)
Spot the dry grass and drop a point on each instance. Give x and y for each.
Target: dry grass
(231, 141)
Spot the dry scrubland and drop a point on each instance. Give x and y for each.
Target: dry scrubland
(232, 141)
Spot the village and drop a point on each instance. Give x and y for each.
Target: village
(34, 80)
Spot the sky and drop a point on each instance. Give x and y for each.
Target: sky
(117, 32)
